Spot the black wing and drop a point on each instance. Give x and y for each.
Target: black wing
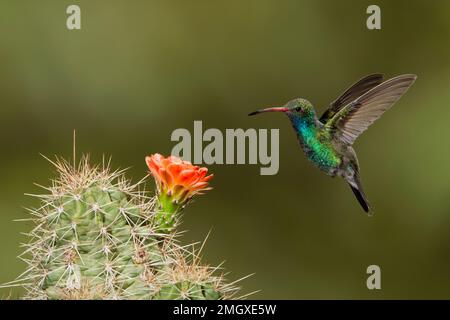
(352, 93)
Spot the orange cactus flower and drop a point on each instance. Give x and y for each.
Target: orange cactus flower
(176, 179)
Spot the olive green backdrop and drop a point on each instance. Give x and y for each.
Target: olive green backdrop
(140, 69)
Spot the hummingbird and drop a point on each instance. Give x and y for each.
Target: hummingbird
(328, 141)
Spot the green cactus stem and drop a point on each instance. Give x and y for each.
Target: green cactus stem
(97, 236)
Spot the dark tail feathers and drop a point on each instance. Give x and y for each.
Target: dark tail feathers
(359, 193)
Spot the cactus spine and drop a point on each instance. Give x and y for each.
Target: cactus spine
(97, 236)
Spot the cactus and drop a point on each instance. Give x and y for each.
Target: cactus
(97, 236)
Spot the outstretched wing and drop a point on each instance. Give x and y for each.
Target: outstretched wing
(355, 91)
(353, 119)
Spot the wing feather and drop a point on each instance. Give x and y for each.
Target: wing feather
(354, 118)
(354, 91)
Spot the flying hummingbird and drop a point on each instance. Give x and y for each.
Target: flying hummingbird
(327, 141)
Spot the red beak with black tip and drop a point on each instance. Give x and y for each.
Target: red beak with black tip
(277, 109)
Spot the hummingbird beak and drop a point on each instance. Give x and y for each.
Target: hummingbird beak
(277, 109)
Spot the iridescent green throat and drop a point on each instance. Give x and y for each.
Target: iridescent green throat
(316, 143)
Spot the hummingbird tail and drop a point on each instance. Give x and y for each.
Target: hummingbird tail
(356, 186)
(361, 198)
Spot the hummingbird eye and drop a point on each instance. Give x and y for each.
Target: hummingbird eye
(298, 109)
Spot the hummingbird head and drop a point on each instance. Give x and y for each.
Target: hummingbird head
(297, 108)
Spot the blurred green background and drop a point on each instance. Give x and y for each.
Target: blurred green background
(140, 69)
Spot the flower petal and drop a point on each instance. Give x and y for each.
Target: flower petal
(178, 179)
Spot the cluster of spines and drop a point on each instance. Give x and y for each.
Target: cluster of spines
(96, 237)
